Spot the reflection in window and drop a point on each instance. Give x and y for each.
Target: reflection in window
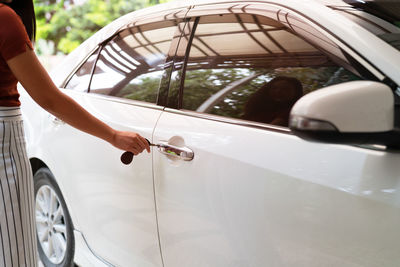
(131, 64)
(80, 80)
(239, 61)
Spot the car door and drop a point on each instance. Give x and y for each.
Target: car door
(112, 203)
(238, 189)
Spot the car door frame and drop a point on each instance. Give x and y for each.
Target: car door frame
(98, 48)
(176, 107)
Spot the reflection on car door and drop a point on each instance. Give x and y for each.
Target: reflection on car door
(115, 202)
(255, 195)
(252, 197)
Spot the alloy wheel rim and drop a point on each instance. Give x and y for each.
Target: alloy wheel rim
(50, 224)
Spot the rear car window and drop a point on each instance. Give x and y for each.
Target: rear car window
(131, 64)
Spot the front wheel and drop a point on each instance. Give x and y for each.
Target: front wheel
(54, 228)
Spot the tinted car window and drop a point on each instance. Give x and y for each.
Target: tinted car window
(131, 64)
(80, 80)
(255, 68)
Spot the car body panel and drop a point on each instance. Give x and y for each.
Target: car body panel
(83, 255)
(116, 201)
(238, 203)
(253, 197)
(254, 194)
(111, 203)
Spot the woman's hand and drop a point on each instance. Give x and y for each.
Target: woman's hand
(130, 141)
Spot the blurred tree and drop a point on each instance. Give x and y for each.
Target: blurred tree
(67, 23)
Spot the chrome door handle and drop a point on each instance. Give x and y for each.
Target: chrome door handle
(183, 153)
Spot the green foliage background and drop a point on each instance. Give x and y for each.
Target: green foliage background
(64, 24)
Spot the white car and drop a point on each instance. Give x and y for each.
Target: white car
(229, 184)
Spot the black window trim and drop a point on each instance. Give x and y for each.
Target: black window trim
(163, 93)
(185, 61)
(102, 45)
(78, 66)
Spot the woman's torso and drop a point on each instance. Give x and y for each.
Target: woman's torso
(13, 41)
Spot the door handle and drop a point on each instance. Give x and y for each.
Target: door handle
(183, 153)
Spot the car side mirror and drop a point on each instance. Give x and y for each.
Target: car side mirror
(358, 112)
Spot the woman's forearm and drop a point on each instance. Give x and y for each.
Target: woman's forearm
(66, 109)
(39, 85)
(34, 78)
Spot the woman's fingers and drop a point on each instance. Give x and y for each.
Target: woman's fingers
(130, 141)
(137, 145)
(135, 152)
(144, 143)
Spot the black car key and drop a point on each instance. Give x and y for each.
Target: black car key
(127, 156)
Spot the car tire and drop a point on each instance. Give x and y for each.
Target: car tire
(53, 222)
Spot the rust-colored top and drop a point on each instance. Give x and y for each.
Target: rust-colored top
(13, 41)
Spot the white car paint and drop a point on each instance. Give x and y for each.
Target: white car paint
(85, 256)
(110, 203)
(253, 197)
(250, 196)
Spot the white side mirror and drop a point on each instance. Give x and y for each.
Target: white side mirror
(356, 112)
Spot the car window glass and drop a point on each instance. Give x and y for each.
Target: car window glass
(254, 68)
(131, 64)
(80, 80)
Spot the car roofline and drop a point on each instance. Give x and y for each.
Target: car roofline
(69, 64)
(311, 8)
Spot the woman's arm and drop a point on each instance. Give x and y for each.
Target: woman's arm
(34, 78)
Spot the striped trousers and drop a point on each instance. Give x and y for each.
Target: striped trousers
(17, 219)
